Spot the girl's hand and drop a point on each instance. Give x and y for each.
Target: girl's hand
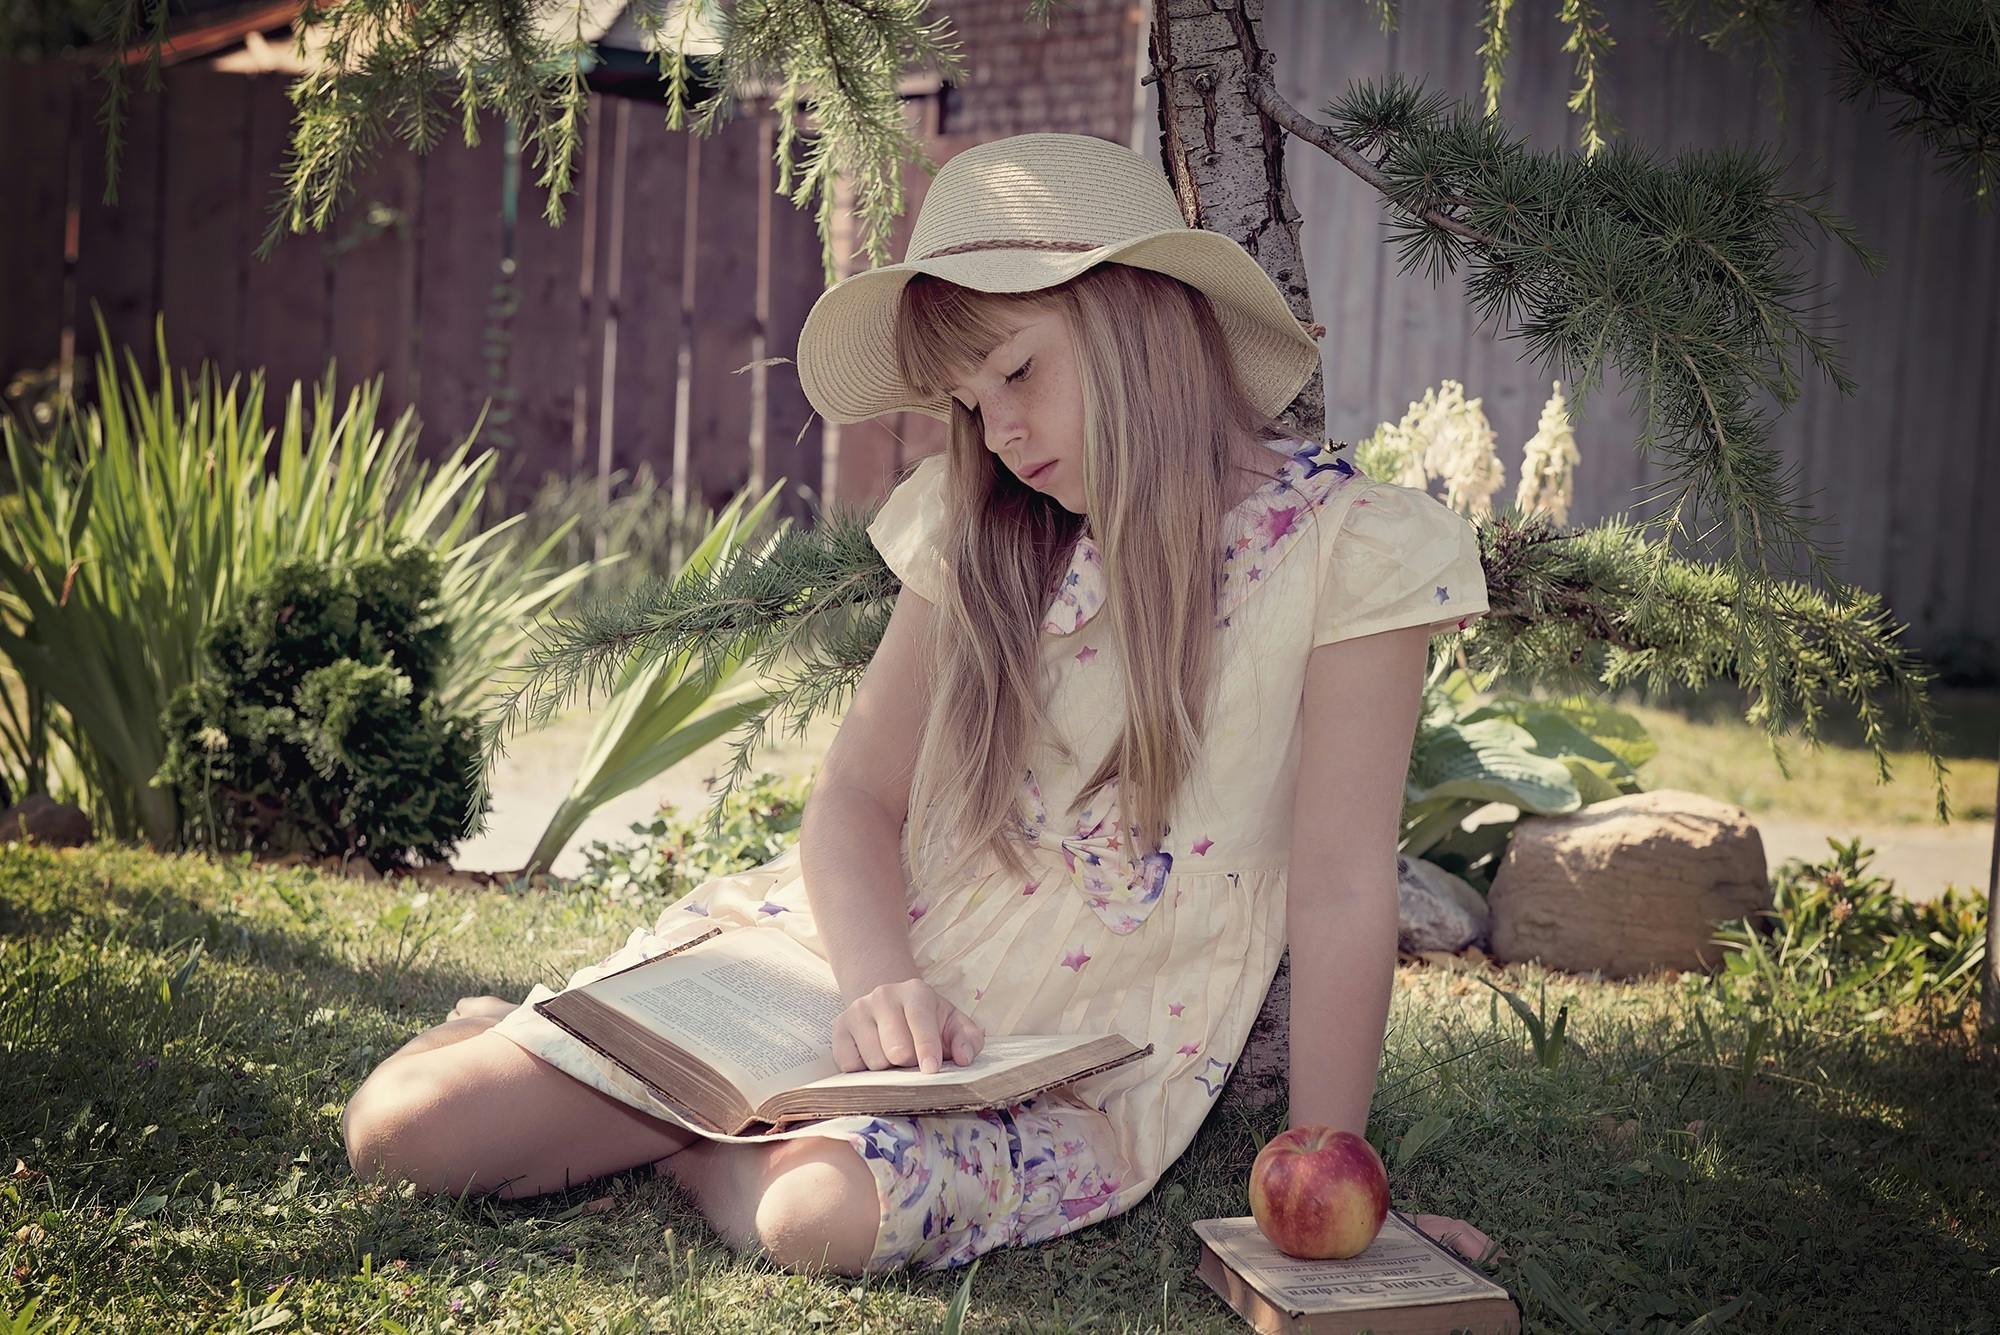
(904, 1024)
(1461, 1237)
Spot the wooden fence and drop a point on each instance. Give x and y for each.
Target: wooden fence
(1903, 472)
(613, 338)
(616, 337)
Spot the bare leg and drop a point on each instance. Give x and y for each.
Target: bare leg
(807, 1204)
(443, 1035)
(459, 1110)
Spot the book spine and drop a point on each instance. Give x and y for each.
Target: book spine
(974, 1105)
(681, 1109)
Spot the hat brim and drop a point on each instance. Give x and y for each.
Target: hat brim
(847, 355)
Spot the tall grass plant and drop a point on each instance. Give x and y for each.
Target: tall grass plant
(138, 519)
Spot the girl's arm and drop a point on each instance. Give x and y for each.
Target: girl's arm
(1359, 721)
(850, 837)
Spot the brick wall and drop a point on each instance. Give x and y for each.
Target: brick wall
(1077, 74)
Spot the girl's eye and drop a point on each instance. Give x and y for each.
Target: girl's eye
(1022, 372)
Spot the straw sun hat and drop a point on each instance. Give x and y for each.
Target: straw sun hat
(1029, 212)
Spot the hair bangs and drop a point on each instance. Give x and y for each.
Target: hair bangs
(945, 331)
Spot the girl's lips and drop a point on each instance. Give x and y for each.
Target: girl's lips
(1040, 472)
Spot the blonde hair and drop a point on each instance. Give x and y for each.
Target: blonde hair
(1162, 410)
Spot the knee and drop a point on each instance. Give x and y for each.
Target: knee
(818, 1208)
(393, 1129)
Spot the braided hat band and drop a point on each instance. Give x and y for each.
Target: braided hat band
(1004, 244)
(1033, 211)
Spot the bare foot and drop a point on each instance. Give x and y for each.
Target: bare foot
(487, 1007)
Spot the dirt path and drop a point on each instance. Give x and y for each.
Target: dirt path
(529, 783)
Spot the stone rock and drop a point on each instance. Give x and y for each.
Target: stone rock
(1629, 886)
(39, 818)
(1436, 910)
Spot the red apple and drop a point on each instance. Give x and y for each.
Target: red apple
(1319, 1193)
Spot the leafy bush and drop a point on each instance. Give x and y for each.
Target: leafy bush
(138, 517)
(316, 726)
(1539, 756)
(672, 856)
(1838, 935)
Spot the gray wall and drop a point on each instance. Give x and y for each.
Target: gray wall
(1902, 472)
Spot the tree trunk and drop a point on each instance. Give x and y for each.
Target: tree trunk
(1226, 161)
(1225, 158)
(1989, 994)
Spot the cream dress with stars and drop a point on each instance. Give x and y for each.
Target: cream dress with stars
(1176, 949)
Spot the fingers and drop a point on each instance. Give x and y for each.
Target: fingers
(906, 1024)
(900, 1017)
(923, 1022)
(846, 1054)
(866, 1042)
(963, 1038)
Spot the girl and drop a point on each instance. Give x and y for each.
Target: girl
(1141, 715)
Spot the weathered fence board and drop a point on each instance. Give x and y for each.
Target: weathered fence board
(375, 280)
(545, 354)
(286, 297)
(793, 277)
(119, 244)
(37, 104)
(459, 249)
(202, 236)
(724, 324)
(652, 222)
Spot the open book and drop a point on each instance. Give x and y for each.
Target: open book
(1402, 1283)
(734, 1032)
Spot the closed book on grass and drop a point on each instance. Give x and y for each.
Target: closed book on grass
(734, 1032)
(1403, 1283)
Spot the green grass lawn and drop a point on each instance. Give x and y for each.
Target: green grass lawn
(180, 1166)
(1707, 747)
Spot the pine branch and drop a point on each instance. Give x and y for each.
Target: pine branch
(1676, 274)
(1571, 609)
(1600, 607)
(1940, 59)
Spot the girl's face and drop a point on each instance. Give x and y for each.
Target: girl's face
(1030, 405)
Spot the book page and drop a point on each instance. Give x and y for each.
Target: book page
(752, 1003)
(1001, 1053)
(1397, 1267)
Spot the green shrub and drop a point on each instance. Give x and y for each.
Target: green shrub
(316, 727)
(1542, 757)
(1837, 934)
(141, 513)
(671, 856)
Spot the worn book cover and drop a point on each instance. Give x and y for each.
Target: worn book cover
(1403, 1283)
(733, 1032)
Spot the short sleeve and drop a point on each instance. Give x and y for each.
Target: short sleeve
(908, 528)
(1400, 558)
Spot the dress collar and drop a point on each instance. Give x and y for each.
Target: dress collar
(1256, 534)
